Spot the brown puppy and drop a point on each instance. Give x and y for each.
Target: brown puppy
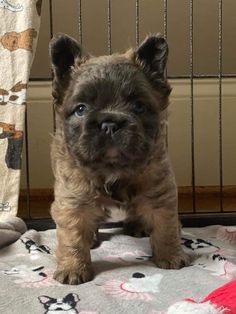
(109, 151)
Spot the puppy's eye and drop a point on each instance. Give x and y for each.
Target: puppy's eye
(138, 108)
(80, 110)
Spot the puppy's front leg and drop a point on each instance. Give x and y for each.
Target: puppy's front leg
(75, 238)
(165, 239)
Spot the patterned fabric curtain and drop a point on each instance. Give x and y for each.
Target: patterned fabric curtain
(19, 26)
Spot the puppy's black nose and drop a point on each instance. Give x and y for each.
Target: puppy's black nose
(109, 127)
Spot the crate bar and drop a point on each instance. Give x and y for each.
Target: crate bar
(165, 5)
(137, 22)
(80, 22)
(165, 16)
(27, 167)
(192, 107)
(165, 10)
(109, 26)
(220, 101)
(51, 19)
(51, 35)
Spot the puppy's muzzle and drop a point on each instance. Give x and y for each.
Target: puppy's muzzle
(109, 124)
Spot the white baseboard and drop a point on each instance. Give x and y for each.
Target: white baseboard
(203, 88)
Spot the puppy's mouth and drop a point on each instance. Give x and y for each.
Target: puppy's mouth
(113, 156)
(112, 153)
(125, 149)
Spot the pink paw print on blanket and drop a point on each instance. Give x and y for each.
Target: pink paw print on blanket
(31, 277)
(138, 287)
(227, 234)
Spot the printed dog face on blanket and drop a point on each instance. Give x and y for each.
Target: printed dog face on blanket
(109, 151)
(60, 305)
(32, 247)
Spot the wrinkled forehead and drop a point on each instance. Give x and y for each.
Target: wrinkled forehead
(106, 79)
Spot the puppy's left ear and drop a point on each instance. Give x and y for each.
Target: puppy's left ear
(152, 56)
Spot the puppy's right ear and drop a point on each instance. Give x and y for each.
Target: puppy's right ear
(64, 52)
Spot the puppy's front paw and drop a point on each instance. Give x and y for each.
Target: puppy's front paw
(73, 276)
(172, 261)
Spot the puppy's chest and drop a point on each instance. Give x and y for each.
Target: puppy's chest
(116, 202)
(114, 210)
(114, 213)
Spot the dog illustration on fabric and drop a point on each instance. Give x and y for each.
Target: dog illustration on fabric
(4, 4)
(218, 265)
(66, 305)
(31, 277)
(5, 207)
(199, 245)
(15, 96)
(14, 146)
(32, 247)
(19, 40)
(139, 286)
(210, 258)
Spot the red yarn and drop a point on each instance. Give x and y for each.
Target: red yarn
(225, 297)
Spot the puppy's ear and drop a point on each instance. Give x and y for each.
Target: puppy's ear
(152, 55)
(64, 52)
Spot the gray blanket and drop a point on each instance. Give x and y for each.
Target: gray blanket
(126, 280)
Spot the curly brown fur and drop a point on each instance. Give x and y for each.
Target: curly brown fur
(109, 151)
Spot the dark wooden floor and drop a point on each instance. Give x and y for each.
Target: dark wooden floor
(207, 201)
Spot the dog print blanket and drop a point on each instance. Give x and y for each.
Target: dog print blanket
(126, 280)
